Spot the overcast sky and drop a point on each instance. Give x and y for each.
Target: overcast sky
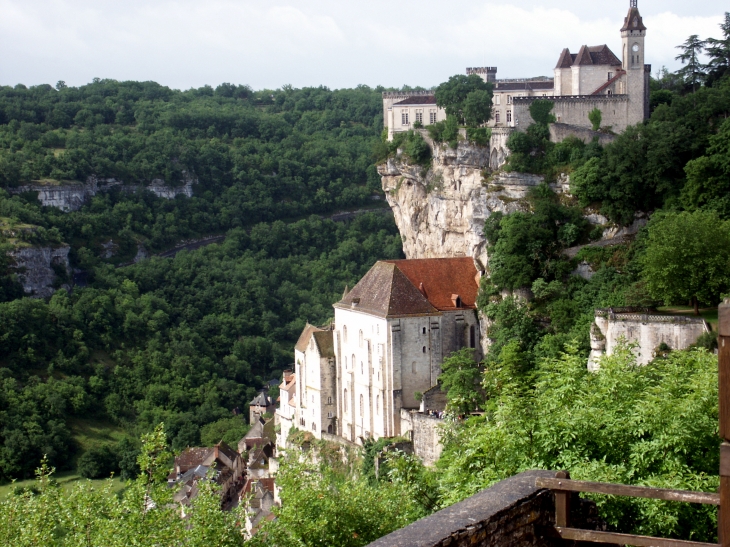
(337, 43)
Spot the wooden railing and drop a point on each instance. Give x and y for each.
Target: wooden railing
(563, 486)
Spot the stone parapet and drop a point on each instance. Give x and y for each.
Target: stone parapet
(512, 513)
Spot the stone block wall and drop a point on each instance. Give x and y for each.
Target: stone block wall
(561, 131)
(512, 513)
(573, 110)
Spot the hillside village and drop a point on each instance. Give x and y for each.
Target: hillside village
(425, 403)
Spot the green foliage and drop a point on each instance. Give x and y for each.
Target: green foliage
(143, 512)
(98, 462)
(595, 116)
(412, 144)
(531, 150)
(229, 430)
(459, 378)
(445, 131)
(541, 112)
(694, 71)
(466, 98)
(524, 246)
(687, 257)
(708, 177)
(479, 135)
(186, 339)
(653, 426)
(323, 507)
(718, 50)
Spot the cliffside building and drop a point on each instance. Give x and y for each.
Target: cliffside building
(594, 77)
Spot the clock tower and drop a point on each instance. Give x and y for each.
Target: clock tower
(633, 34)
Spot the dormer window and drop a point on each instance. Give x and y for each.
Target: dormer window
(456, 300)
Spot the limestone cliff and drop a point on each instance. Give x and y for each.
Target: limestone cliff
(71, 196)
(38, 268)
(440, 211)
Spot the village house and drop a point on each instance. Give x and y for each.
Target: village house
(285, 414)
(261, 404)
(220, 463)
(594, 77)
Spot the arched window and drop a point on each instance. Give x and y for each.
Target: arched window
(472, 337)
(314, 427)
(345, 400)
(424, 349)
(344, 333)
(424, 330)
(362, 406)
(353, 362)
(360, 338)
(345, 362)
(362, 368)
(329, 429)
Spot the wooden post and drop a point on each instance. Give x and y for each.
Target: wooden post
(723, 343)
(562, 503)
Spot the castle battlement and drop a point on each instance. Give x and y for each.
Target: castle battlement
(406, 94)
(573, 98)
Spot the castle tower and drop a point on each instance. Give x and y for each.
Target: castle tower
(633, 34)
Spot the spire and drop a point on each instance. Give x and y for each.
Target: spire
(635, 3)
(633, 21)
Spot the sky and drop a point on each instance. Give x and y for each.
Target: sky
(335, 43)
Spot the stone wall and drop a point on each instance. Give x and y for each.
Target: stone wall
(425, 434)
(34, 266)
(561, 131)
(512, 513)
(645, 331)
(574, 110)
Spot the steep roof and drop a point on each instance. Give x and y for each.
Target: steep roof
(386, 291)
(415, 287)
(633, 20)
(325, 343)
(593, 55)
(192, 457)
(262, 399)
(442, 279)
(417, 100)
(301, 344)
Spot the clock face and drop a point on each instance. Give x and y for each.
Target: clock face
(635, 48)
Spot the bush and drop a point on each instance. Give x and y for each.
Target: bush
(97, 463)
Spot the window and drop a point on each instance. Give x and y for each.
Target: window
(472, 337)
(330, 414)
(345, 362)
(404, 117)
(610, 76)
(424, 349)
(432, 117)
(496, 117)
(498, 99)
(362, 368)
(344, 333)
(314, 427)
(329, 399)
(509, 116)
(360, 338)
(329, 429)
(345, 400)
(377, 404)
(419, 116)
(509, 99)
(424, 330)
(362, 406)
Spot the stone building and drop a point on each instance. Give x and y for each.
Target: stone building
(594, 77)
(261, 404)
(392, 332)
(645, 331)
(285, 414)
(315, 381)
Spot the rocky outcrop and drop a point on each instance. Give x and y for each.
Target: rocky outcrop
(440, 211)
(38, 268)
(71, 196)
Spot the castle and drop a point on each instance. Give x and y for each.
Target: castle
(592, 78)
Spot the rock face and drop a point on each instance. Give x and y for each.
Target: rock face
(35, 268)
(72, 196)
(440, 211)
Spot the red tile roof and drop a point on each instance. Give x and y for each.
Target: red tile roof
(415, 287)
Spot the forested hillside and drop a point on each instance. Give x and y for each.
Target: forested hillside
(183, 340)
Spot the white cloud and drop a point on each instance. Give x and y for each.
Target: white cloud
(186, 43)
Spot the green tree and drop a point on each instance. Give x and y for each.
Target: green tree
(694, 71)
(455, 97)
(719, 51)
(460, 378)
(595, 116)
(687, 257)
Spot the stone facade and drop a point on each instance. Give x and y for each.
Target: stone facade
(424, 432)
(512, 513)
(646, 331)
